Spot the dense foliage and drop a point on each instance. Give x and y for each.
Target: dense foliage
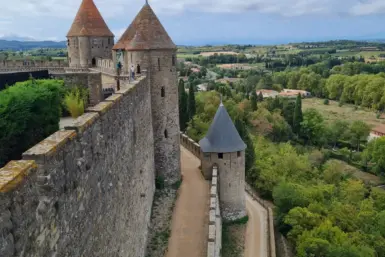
(29, 112)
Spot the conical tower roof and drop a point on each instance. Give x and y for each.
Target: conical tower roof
(222, 136)
(89, 22)
(145, 33)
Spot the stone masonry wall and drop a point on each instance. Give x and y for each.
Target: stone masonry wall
(90, 80)
(214, 244)
(86, 190)
(165, 115)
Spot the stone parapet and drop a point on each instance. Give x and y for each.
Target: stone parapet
(214, 242)
(89, 186)
(190, 145)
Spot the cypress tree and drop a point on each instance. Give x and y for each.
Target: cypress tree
(183, 113)
(260, 97)
(249, 152)
(191, 108)
(297, 117)
(254, 100)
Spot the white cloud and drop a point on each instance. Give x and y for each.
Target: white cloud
(368, 7)
(46, 18)
(119, 8)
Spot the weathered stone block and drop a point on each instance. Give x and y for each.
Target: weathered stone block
(212, 217)
(210, 249)
(83, 122)
(13, 174)
(213, 191)
(100, 108)
(213, 203)
(212, 233)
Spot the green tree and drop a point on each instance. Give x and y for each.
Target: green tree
(191, 108)
(249, 152)
(254, 100)
(183, 113)
(297, 117)
(336, 131)
(359, 131)
(260, 97)
(375, 154)
(312, 127)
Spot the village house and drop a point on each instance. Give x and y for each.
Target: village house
(292, 93)
(266, 93)
(376, 132)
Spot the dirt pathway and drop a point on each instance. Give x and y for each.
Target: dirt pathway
(190, 217)
(256, 238)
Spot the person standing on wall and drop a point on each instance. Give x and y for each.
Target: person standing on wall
(132, 72)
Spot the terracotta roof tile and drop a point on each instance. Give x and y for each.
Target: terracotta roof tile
(89, 22)
(145, 32)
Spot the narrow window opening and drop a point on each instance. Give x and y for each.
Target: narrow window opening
(165, 133)
(173, 60)
(138, 69)
(109, 40)
(220, 155)
(158, 63)
(239, 154)
(162, 93)
(68, 42)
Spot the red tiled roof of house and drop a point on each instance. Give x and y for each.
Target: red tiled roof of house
(145, 32)
(379, 129)
(89, 22)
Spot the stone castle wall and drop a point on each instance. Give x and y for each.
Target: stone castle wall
(85, 51)
(86, 190)
(32, 63)
(165, 114)
(90, 80)
(214, 244)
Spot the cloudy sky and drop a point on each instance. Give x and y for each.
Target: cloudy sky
(208, 21)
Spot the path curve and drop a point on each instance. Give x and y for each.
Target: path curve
(256, 231)
(190, 217)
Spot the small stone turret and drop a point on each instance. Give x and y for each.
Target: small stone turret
(224, 148)
(89, 37)
(146, 46)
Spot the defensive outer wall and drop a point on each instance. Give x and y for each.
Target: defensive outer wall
(214, 238)
(86, 190)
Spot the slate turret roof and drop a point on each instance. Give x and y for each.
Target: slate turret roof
(145, 33)
(89, 22)
(222, 136)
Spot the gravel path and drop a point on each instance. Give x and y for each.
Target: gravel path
(256, 231)
(190, 217)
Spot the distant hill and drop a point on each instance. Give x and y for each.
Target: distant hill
(27, 45)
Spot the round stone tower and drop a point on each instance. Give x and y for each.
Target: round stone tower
(89, 37)
(223, 147)
(147, 47)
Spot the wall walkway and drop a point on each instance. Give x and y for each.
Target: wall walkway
(190, 217)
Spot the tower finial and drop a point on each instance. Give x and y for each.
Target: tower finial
(146, 2)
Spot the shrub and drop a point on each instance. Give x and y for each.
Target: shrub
(74, 102)
(326, 102)
(29, 112)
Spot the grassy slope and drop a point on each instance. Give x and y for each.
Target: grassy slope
(333, 112)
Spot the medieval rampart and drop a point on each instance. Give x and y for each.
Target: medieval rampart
(214, 237)
(90, 80)
(86, 190)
